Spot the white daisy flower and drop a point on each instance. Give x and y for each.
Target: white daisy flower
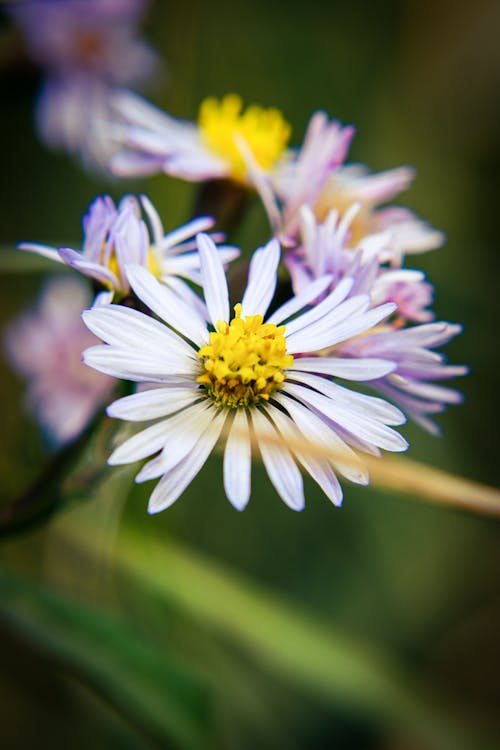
(252, 381)
(116, 236)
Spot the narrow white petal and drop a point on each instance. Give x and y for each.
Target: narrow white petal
(213, 280)
(323, 336)
(43, 250)
(137, 366)
(326, 307)
(262, 277)
(299, 301)
(342, 367)
(318, 432)
(157, 402)
(279, 462)
(144, 443)
(167, 305)
(174, 239)
(369, 406)
(175, 482)
(154, 219)
(320, 470)
(120, 326)
(238, 461)
(367, 429)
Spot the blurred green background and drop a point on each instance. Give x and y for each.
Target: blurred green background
(370, 627)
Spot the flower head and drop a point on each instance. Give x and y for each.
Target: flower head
(325, 250)
(247, 376)
(225, 143)
(86, 49)
(44, 345)
(315, 176)
(115, 236)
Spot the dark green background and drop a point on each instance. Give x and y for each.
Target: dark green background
(420, 82)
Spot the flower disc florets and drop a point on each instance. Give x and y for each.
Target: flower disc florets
(264, 131)
(244, 362)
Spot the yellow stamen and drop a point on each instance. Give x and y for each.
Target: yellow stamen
(244, 362)
(264, 131)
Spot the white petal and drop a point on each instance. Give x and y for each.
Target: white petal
(126, 328)
(144, 443)
(342, 367)
(262, 277)
(369, 406)
(320, 470)
(318, 432)
(279, 462)
(367, 429)
(137, 366)
(213, 280)
(157, 402)
(185, 430)
(238, 461)
(175, 482)
(329, 331)
(324, 308)
(299, 301)
(43, 250)
(167, 305)
(154, 219)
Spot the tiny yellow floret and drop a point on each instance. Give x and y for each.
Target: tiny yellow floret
(244, 362)
(223, 124)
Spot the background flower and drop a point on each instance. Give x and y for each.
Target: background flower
(45, 345)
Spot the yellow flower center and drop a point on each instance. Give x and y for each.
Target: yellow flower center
(244, 362)
(223, 124)
(151, 264)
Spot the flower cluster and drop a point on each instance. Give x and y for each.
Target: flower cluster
(311, 382)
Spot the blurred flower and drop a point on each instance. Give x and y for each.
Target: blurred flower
(325, 250)
(314, 176)
(245, 376)
(116, 236)
(44, 345)
(224, 143)
(87, 49)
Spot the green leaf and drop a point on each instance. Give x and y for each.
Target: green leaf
(140, 680)
(285, 638)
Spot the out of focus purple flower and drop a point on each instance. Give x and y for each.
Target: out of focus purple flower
(92, 36)
(325, 249)
(44, 345)
(115, 236)
(315, 176)
(87, 48)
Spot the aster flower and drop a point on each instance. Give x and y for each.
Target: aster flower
(115, 236)
(224, 143)
(44, 345)
(325, 251)
(249, 378)
(86, 49)
(315, 176)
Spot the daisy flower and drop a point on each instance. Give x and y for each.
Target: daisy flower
(315, 175)
(44, 345)
(115, 236)
(226, 142)
(325, 251)
(250, 378)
